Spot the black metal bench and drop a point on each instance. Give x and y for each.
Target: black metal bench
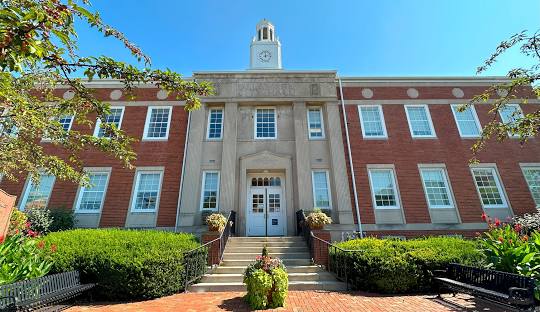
(504, 288)
(40, 292)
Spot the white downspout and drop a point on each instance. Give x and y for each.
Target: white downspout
(183, 172)
(357, 209)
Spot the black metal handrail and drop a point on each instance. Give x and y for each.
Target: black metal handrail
(196, 260)
(338, 258)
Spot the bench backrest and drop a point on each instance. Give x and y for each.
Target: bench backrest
(33, 289)
(489, 279)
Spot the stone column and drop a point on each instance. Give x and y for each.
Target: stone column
(339, 177)
(228, 187)
(189, 200)
(303, 161)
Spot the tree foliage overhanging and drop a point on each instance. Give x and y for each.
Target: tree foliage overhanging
(39, 54)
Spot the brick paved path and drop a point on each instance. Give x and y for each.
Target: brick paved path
(298, 301)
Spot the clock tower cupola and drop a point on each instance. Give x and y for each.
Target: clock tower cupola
(265, 48)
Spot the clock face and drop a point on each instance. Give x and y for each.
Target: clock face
(265, 56)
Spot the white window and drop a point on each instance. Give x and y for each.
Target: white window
(532, 176)
(115, 117)
(383, 188)
(467, 121)
(372, 121)
(65, 121)
(489, 188)
(90, 198)
(510, 114)
(210, 190)
(420, 122)
(265, 123)
(37, 195)
(321, 190)
(315, 123)
(436, 188)
(147, 188)
(215, 124)
(157, 123)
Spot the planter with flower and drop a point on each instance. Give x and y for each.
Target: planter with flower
(267, 282)
(216, 222)
(318, 219)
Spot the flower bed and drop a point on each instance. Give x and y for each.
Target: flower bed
(267, 282)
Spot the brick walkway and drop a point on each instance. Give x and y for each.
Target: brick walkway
(298, 301)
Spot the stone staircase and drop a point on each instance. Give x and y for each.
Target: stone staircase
(241, 251)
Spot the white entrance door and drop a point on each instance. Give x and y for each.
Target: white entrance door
(266, 208)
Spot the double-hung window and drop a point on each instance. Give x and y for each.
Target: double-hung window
(420, 122)
(210, 190)
(265, 123)
(467, 121)
(321, 190)
(532, 176)
(315, 123)
(489, 187)
(65, 121)
(436, 188)
(114, 117)
(510, 114)
(383, 189)
(90, 198)
(372, 121)
(158, 120)
(147, 189)
(215, 124)
(37, 195)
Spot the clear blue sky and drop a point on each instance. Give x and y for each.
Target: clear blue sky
(356, 37)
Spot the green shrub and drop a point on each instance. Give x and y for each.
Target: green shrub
(126, 264)
(394, 266)
(62, 219)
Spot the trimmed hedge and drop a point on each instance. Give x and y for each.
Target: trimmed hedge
(394, 266)
(126, 264)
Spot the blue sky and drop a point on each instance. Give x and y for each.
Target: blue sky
(356, 37)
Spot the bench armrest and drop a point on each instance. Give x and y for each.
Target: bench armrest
(439, 273)
(521, 295)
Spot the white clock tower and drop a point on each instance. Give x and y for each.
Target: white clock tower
(265, 48)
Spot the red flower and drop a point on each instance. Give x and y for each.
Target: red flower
(497, 222)
(484, 216)
(517, 227)
(31, 233)
(525, 237)
(1, 238)
(501, 239)
(27, 224)
(53, 248)
(41, 244)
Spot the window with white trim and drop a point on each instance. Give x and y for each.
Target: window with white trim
(215, 124)
(383, 188)
(510, 114)
(37, 195)
(90, 198)
(315, 123)
(66, 122)
(321, 189)
(532, 176)
(114, 117)
(210, 190)
(372, 121)
(265, 123)
(489, 188)
(436, 188)
(467, 121)
(147, 188)
(420, 122)
(157, 123)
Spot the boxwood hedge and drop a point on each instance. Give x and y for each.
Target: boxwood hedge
(126, 264)
(394, 266)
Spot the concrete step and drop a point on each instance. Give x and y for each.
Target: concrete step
(251, 255)
(293, 277)
(268, 239)
(258, 249)
(260, 245)
(239, 286)
(244, 262)
(290, 269)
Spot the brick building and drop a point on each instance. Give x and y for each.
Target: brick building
(272, 141)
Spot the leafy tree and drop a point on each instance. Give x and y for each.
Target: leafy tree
(38, 55)
(522, 83)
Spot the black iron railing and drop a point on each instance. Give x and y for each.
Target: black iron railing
(338, 260)
(197, 261)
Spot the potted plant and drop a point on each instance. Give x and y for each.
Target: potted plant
(216, 222)
(318, 219)
(267, 282)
